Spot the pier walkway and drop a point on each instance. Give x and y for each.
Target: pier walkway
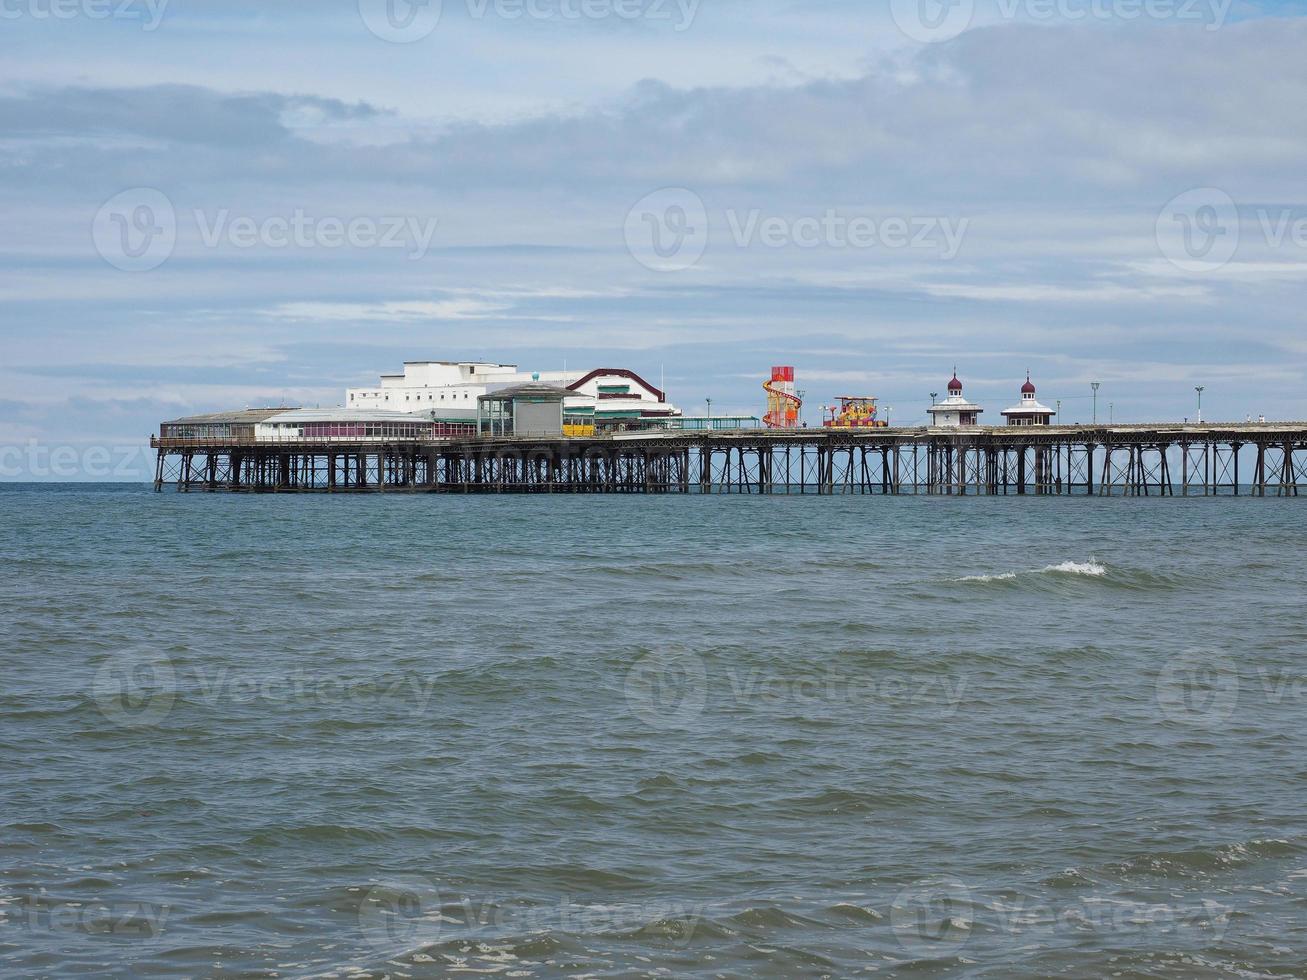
(1161, 459)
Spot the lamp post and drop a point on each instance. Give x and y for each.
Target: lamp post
(1059, 411)
(1094, 385)
(800, 393)
(933, 396)
(709, 422)
(1111, 413)
(889, 415)
(1199, 389)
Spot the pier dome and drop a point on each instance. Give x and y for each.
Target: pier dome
(1028, 388)
(955, 384)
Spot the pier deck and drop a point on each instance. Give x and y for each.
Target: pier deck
(1162, 459)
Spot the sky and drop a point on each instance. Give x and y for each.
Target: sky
(215, 204)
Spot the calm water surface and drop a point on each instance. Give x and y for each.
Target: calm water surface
(615, 737)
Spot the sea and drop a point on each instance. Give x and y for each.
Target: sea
(611, 736)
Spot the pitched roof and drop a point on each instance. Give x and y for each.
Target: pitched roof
(1031, 407)
(532, 389)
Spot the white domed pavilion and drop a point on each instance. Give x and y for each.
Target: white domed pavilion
(1028, 411)
(954, 411)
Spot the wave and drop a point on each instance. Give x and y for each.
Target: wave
(1090, 568)
(1201, 862)
(1206, 860)
(1001, 577)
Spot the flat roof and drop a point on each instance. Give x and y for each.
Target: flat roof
(461, 364)
(300, 415)
(245, 415)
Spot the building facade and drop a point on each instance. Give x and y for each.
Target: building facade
(447, 391)
(532, 409)
(293, 425)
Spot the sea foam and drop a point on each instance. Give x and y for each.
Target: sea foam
(1091, 568)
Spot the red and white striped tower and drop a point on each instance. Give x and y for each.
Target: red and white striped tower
(782, 402)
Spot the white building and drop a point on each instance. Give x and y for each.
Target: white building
(954, 411)
(447, 391)
(1028, 411)
(345, 425)
(291, 425)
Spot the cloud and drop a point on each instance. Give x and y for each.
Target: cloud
(1058, 146)
(1103, 292)
(392, 311)
(1013, 114)
(183, 114)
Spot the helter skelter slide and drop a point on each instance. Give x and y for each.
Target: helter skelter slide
(782, 402)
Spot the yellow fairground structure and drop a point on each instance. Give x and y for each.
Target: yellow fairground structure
(854, 412)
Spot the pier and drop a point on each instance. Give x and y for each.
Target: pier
(1142, 460)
